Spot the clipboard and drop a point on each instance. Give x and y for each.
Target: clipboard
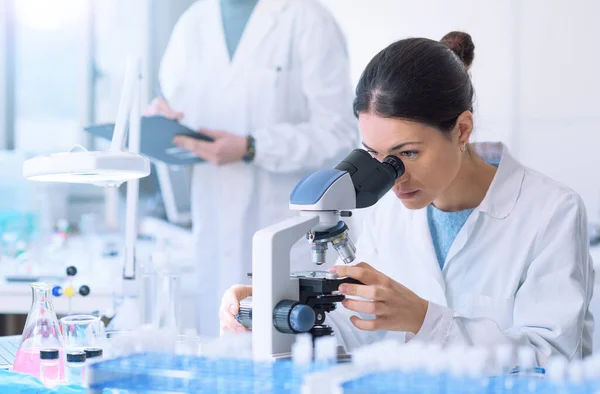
(156, 140)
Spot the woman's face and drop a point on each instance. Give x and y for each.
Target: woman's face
(432, 158)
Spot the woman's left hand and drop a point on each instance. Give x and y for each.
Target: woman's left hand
(226, 147)
(396, 308)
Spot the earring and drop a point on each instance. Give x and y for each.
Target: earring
(463, 148)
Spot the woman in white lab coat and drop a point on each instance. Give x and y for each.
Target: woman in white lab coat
(467, 248)
(277, 104)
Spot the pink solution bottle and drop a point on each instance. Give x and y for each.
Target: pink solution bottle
(41, 332)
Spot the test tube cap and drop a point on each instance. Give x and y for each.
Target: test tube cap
(76, 357)
(48, 354)
(93, 352)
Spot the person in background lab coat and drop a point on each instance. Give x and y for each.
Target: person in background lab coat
(269, 80)
(467, 248)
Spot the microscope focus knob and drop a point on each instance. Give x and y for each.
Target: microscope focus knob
(290, 317)
(244, 315)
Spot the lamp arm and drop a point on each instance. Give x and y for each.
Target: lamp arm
(132, 74)
(133, 185)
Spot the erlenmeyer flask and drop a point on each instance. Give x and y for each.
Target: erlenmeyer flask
(41, 332)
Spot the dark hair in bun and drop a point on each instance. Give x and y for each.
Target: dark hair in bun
(420, 80)
(462, 45)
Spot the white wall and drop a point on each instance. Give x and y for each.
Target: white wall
(536, 72)
(559, 87)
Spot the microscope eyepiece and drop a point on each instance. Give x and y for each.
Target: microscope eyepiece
(371, 178)
(395, 163)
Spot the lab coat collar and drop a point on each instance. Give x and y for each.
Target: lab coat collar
(259, 25)
(504, 191)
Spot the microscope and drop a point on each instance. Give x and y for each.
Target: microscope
(284, 304)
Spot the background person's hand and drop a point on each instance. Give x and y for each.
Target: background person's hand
(230, 305)
(395, 307)
(159, 106)
(226, 148)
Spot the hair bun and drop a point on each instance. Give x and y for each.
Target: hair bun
(462, 45)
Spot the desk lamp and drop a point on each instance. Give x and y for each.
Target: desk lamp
(107, 168)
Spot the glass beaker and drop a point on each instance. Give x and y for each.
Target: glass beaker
(81, 332)
(160, 300)
(41, 332)
(167, 298)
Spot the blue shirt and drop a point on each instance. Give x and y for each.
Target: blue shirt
(444, 227)
(235, 15)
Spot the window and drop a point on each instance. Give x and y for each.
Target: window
(51, 40)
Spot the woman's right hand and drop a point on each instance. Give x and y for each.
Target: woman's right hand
(230, 305)
(159, 106)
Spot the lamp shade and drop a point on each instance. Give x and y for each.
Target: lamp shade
(107, 167)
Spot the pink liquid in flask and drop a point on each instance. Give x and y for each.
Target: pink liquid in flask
(41, 332)
(28, 361)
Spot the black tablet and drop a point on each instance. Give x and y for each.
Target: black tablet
(157, 133)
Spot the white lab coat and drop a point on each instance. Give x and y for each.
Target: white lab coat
(289, 86)
(519, 271)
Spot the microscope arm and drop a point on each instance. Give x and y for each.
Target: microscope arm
(272, 283)
(359, 181)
